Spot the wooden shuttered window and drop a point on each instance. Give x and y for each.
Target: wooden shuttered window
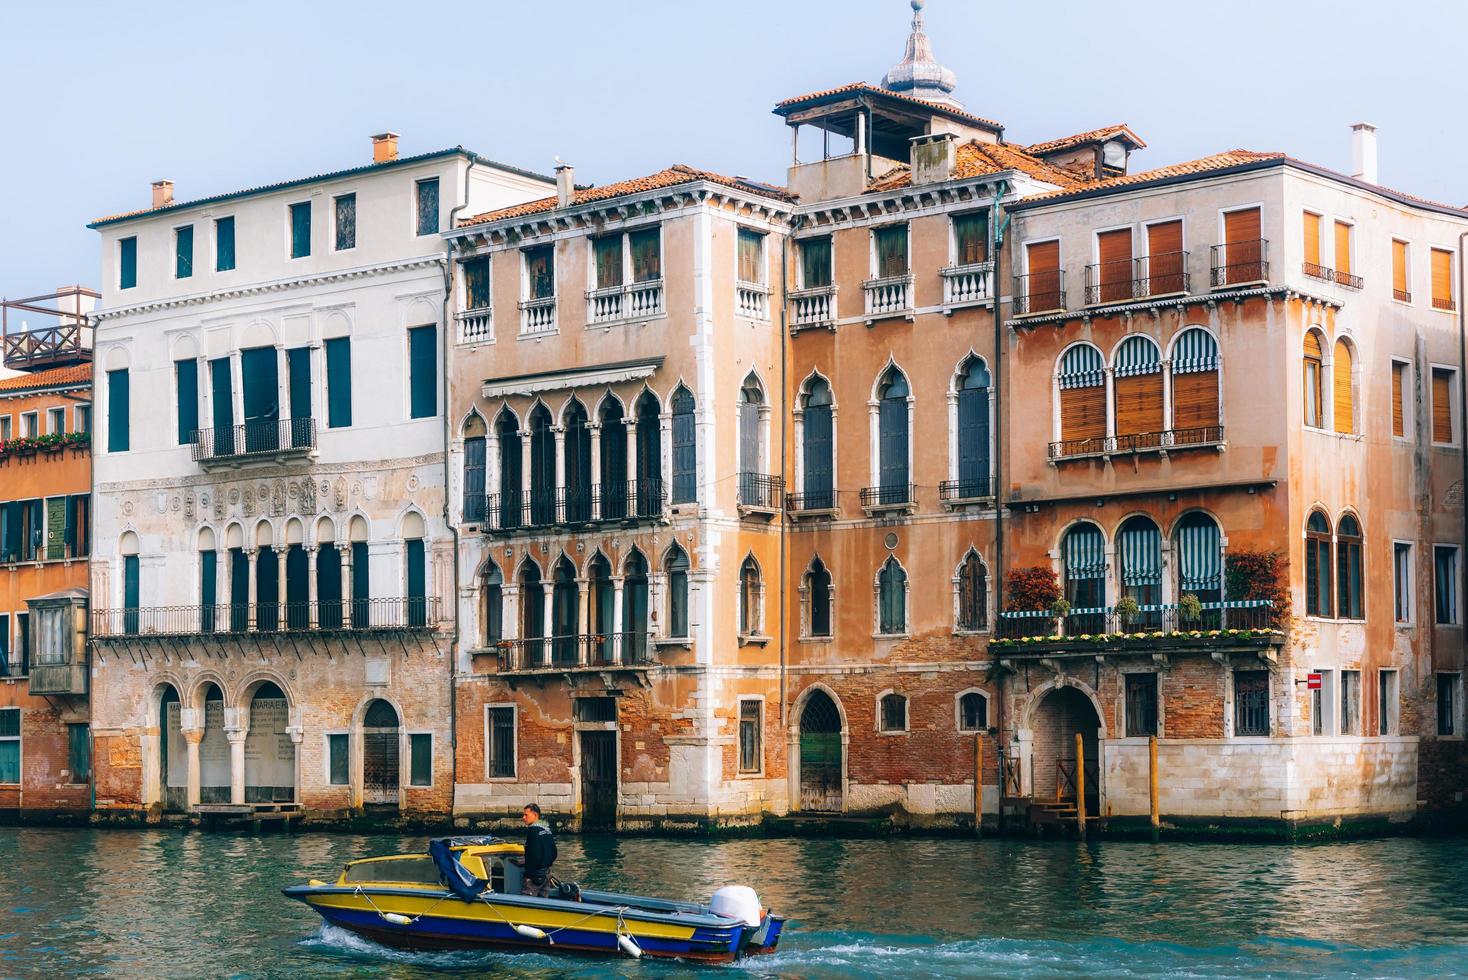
(1244, 251)
(1442, 279)
(1082, 413)
(1442, 405)
(1114, 269)
(1195, 400)
(1400, 289)
(1399, 414)
(1342, 383)
(1042, 263)
(1139, 404)
(1314, 366)
(1342, 248)
(1312, 239)
(1165, 258)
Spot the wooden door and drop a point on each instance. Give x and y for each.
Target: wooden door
(820, 755)
(598, 780)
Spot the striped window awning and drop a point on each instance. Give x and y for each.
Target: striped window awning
(1195, 351)
(1082, 367)
(1200, 556)
(1137, 355)
(1085, 553)
(1141, 554)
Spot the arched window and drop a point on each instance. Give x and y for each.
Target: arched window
(973, 712)
(492, 604)
(634, 608)
(507, 431)
(1082, 381)
(1317, 565)
(328, 584)
(1343, 386)
(818, 448)
(542, 468)
(685, 448)
(894, 478)
(532, 615)
(973, 594)
(1195, 387)
(267, 580)
(208, 579)
(892, 711)
(1349, 584)
(818, 599)
(1140, 544)
(973, 430)
(1199, 550)
(613, 474)
(130, 582)
(577, 505)
(602, 594)
(1314, 370)
(676, 565)
(415, 578)
(565, 613)
(649, 498)
(474, 464)
(753, 483)
(1084, 556)
(750, 591)
(297, 587)
(1138, 372)
(891, 598)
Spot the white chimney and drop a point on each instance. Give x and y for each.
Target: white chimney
(565, 184)
(1363, 152)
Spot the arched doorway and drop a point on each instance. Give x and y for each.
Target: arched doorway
(381, 755)
(1060, 715)
(173, 776)
(270, 754)
(820, 754)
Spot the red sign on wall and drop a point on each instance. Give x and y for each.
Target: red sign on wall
(1312, 681)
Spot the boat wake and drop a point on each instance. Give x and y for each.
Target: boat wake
(337, 940)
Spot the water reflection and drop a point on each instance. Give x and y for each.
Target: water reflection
(169, 904)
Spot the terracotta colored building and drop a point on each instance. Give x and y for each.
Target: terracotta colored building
(45, 514)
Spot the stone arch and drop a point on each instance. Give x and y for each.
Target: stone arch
(234, 535)
(264, 534)
(1053, 714)
(325, 531)
(258, 333)
(295, 531)
(818, 750)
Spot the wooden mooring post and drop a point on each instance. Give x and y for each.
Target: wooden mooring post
(979, 785)
(1152, 786)
(1080, 785)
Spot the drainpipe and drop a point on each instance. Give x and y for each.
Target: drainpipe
(1462, 377)
(784, 418)
(997, 463)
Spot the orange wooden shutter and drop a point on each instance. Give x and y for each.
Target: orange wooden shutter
(1399, 270)
(1442, 279)
(1165, 258)
(1314, 360)
(1139, 404)
(1083, 413)
(1345, 408)
(1442, 406)
(1042, 262)
(1114, 252)
(1312, 345)
(1343, 247)
(1399, 415)
(1312, 238)
(1241, 234)
(1195, 400)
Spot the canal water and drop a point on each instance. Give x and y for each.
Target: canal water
(173, 904)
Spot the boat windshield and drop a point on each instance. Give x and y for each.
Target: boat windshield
(415, 869)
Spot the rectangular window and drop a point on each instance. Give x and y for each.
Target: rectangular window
(500, 742)
(751, 728)
(1043, 277)
(1166, 270)
(55, 420)
(1243, 248)
(186, 386)
(118, 411)
(540, 272)
(646, 248)
(428, 206)
(1399, 399)
(1402, 579)
(1342, 248)
(5, 643)
(1443, 292)
(815, 263)
(607, 252)
(971, 238)
(1141, 704)
(9, 745)
(1350, 702)
(1445, 583)
(4, 428)
(127, 263)
(1386, 702)
(1449, 688)
(30, 425)
(81, 417)
(23, 639)
(890, 246)
(1401, 274)
(1251, 702)
(298, 372)
(338, 382)
(56, 525)
(1312, 244)
(1113, 280)
(183, 252)
(1317, 705)
(1444, 411)
(476, 283)
(423, 371)
(338, 772)
(420, 759)
(79, 752)
(346, 221)
(300, 229)
(751, 257)
(224, 244)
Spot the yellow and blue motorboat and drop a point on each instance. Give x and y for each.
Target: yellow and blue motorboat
(465, 893)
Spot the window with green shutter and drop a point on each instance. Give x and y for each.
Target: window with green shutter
(336, 760)
(298, 367)
(420, 768)
(417, 583)
(186, 377)
(338, 382)
(301, 230)
(9, 745)
(423, 371)
(118, 408)
(224, 244)
(127, 263)
(79, 752)
(183, 252)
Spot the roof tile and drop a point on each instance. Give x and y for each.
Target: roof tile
(978, 159)
(1090, 136)
(62, 377)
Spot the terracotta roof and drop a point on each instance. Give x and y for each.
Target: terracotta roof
(1093, 136)
(978, 159)
(1203, 165)
(866, 89)
(670, 177)
(62, 377)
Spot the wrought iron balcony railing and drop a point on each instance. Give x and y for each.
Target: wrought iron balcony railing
(761, 491)
(1238, 263)
(970, 489)
(889, 497)
(630, 650)
(262, 437)
(411, 613)
(1214, 617)
(811, 501)
(1316, 271)
(514, 510)
(1138, 278)
(1039, 292)
(1137, 442)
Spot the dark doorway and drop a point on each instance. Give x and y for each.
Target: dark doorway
(598, 780)
(381, 755)
(820, 755)
(261, 370)
(1063, 713)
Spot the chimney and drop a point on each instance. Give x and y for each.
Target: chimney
(384, 147)
(565, 184)
(1363, 152)
(933, 157)
(162, 193)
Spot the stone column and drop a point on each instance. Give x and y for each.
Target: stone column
(619, 641)
(297, 733)
(236, 393)
(253, 555)
(524, 473)
(236, 738)
(595, 474)
(345, 549)
(192, 738)
(548, 617)
(632, 469)
(223, 581)
(281, 592)
(491, 474)
(559, 432)
(583, 616)
(311, 586)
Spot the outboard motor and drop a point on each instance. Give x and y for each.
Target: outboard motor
(738, 902)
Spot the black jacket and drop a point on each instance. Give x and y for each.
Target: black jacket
(540, 850)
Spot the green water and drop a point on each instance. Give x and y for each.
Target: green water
(173, 904)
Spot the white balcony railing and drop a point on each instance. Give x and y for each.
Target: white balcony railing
(891, 296)
(752, 300)
(965, 284)
(537, 316)
(814, 307)
(475, 326)
(637, 301)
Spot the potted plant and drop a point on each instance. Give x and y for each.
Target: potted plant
(1127, 612)
(1189, 608)
(1059, 609)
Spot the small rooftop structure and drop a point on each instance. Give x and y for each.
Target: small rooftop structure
(65, 338)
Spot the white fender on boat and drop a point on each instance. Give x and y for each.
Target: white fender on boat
(530, 932)
(396, 919)
(629, 945)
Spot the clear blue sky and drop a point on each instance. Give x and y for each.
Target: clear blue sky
(98, 99)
